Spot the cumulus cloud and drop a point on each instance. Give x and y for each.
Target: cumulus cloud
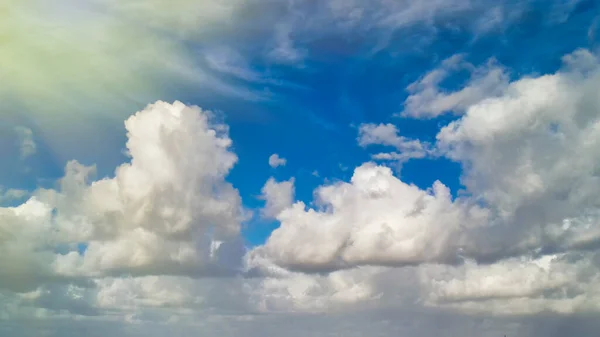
(25, 246)
(427, 99)
(168, 211)
(275, 160)
(520, 240)
(374, 219)
(374, 253)
(531, 156)
(278, 196)
(529, 160)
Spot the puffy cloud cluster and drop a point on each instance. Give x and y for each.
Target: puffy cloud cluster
(531, 155)
(564, 284)
(168, 211)
(374, 219)
(521, 239)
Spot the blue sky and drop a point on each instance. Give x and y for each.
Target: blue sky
(311, 109)
(343, 86)
(301, 80)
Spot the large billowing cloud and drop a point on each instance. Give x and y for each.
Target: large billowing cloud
(169, 211)
(374, 219)
(532, 155)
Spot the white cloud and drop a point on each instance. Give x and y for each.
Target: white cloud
(388, 135)
(169, 211)
(521, 240)
(374, 219)
(565, 284)
(25, 245)
(297, 292)
(428, 100)
(276, 161)
(532, 156)
(278, 196)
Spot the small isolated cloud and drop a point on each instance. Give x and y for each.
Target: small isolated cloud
(276, 161)
(27, 145)
(388, 135)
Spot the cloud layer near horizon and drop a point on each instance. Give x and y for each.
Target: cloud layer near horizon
(157, 246)
(513, 244)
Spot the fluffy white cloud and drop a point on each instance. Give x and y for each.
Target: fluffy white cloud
(521, 240)
(427, 99)
(532, 157)
(168, 211)
(275, 160)
(160, 212)
(26, 246)
(565, 284)
(278, 196)
(374, 219)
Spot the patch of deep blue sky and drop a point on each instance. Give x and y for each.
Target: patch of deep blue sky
(342, 82)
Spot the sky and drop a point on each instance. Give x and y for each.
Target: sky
(299, 168)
